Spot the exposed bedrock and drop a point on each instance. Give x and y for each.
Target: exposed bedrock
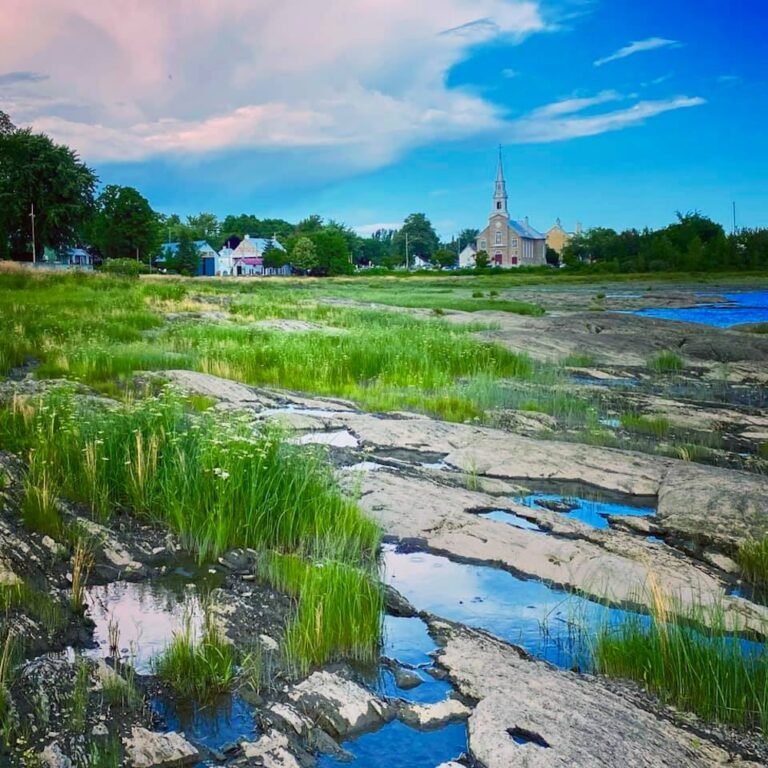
(530, 715)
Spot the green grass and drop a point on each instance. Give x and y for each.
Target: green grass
(339, 611)
(666, 362)
(579, 360)
(752, 557)
(198, 668)
(654, 426)
(39, 605)
(78, 701)
(689, 658)
(106, 754)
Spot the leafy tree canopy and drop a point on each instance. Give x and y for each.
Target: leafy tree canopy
(304, 255)
(421, 236)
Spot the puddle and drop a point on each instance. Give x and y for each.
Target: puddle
(147, 615)
(226, 720)
(317, 413)
(549, 623)
(500, 516)
(399, 746)
(593, 382)
(591, 511)
(340, 438)
(365, 466)
(435, 465)
(740, 308)
(612, 423)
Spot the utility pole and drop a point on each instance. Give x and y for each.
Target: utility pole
(34, 247)
(407, 265)
(734, 217)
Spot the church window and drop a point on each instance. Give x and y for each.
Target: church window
(498, 238)
(498, 206)
(514, 242)
(483, 245)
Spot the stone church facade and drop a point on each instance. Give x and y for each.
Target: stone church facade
(510, 243)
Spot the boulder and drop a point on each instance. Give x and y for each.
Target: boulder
(149, 749)
(433, 716)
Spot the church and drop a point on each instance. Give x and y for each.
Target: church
(508, 243)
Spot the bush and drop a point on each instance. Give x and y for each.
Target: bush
(124, 267)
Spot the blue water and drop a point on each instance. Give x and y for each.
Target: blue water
(500, 516)
(407, 641)
(742, 307)
(228, 720)
(399, 746)
(589, 511)
(549, 623)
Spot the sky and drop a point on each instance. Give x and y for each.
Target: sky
(610, 112)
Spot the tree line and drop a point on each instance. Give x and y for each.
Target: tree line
(40, 177)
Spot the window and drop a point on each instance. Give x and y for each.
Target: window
(498, 206)
(483, 245)
(514, 242)
(498, 238)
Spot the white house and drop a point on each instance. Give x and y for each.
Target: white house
(467, 257)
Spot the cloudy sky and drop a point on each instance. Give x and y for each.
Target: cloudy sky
(611, 112)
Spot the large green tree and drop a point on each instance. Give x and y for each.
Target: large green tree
(186, 260)
(304, 255)
(125, 226)
(35, 171)
(6, 126)
(333, 255)
(422, 240)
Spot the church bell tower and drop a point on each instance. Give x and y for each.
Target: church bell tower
(500, 192)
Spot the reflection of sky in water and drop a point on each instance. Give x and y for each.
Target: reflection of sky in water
(229, 719)
(588, 511)
(147, 613)
(541, 619)
(745, 307)
(399, 746)
(500, 516)
(340, 438)
(407, 641)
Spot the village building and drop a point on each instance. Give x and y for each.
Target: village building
(248, 258)
(209, 258)
(509, 243)
(558, 238)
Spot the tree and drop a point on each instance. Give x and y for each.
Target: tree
(6, 126)
(482, 259)
(333, 257)
(422, 239)
(552, 257)
(444, 258)
(467, 236)
(35, 171)
(186, 260)
(125, 225)
(313, 223)
(304, 255)
(274, 257)
(204, 226)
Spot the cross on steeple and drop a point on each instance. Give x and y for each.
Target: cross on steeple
(500, 192)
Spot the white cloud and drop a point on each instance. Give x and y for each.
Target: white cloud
(362, 80)
(651, 44)
(563, 120)
(509, 73)
(365, 230)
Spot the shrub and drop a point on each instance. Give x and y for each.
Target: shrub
(124, 267)
(666, 362)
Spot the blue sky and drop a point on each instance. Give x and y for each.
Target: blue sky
(611, 112)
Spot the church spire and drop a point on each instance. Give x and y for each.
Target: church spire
(500, 192)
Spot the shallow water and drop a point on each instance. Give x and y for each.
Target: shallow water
(339, 438)
(399, 746)
(549, 623)
(500, 516)
(592, 512)
(742, 307)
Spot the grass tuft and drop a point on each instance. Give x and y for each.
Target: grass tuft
(752, 558)
(666, 362)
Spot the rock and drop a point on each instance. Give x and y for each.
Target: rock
(53, 757)
(721, 561)
(269, 643)
(149, 749)
(7, 577)
(59, 550)
(556, 506)
(530, 715)
(271, 751)
(406, 679)
(99, 730)
(433, 716)
(339, 706)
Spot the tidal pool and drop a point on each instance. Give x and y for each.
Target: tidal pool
(742, 307)
(592, 512)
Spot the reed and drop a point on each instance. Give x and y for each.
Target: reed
(666, 362)
(752, 557)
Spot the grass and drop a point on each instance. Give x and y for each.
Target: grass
(7, 671)
(339, 610)
(198, 668)
(654, 426)
(752, 557)
(38, 605)
(78, 702)
(107, 754)
(82, 563)
(219, 484)
(666, 362)
(690, 659)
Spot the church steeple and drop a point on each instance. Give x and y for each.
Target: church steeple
(500, 193)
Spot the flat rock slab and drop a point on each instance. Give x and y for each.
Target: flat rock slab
(339, 706)
(149, 749)
(272, 750)
(530, 715)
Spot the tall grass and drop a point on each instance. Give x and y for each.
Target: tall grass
(215, 481)
(198, 667)
(691, 658)
(666, 362)
(752, 557)
(339, 612)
